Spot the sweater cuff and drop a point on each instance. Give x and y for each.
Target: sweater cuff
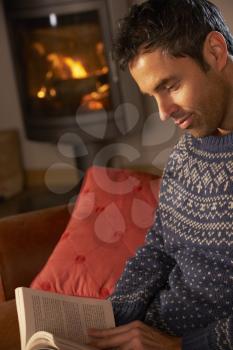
(196, 340)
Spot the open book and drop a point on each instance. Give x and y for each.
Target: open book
(53, 321)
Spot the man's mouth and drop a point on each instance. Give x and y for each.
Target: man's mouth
(184, 122)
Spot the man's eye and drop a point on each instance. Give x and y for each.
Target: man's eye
(173, 87)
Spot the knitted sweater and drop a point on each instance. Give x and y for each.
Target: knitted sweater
(181, 280)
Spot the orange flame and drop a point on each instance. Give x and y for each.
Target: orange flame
(77, 69)
(67, 67)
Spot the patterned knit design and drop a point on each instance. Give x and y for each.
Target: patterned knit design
(181, 280)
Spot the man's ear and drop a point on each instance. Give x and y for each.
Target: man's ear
(215, 50)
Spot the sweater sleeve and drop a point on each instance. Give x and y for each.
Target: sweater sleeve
(216, 336)
(144, 275)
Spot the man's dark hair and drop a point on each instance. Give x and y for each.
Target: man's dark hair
(178, 27)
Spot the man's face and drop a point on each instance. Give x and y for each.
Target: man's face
(194, 99)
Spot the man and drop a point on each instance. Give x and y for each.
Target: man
(177, 292)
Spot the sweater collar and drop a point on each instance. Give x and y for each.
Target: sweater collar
(214, 143)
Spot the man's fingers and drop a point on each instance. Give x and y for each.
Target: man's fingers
(133, 336)
(110, 341)
(126, 336)
(131, 340)
(99, 333)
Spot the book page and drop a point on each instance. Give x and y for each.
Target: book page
(21, 320)
(41, 340)
(66, 317)
(46, 341)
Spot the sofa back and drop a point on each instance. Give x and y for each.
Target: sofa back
(26, 241)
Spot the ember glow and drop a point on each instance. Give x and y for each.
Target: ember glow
(64, 70)
(66, 67)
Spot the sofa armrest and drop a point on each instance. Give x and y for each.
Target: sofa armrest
(26, 241)
(9, 329)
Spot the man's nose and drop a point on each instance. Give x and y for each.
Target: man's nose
(166, 108)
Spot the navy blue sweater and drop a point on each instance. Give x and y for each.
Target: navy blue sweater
(181, 280)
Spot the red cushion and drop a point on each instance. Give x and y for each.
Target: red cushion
(112, 214)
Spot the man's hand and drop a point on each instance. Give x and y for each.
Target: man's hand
(134, 336)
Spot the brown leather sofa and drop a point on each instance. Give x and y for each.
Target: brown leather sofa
(26, 241)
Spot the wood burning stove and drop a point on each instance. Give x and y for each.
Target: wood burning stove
(62, 55)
